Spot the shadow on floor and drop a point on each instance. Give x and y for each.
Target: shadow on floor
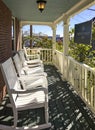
(66, 109)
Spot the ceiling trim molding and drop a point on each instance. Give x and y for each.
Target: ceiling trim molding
(82, 5)
(22, 23)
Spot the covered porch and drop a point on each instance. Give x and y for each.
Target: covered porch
(67, 111)
(68, 79)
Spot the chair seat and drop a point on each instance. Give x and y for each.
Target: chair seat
(23, 99)
(39, 81)
(30, 99)
(26, 70)
(33, 70)
(36, 61)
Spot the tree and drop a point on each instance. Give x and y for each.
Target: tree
(81, 52)
(42, 41)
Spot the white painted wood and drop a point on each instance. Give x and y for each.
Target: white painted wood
(23, 99)
(54, 41)
(25, 70)
(77, 75)
(30, 63)
(58, 62)
(66, 36)
(22, 23)
(82, 5)
(45, 54)
(38, 127)
(32, 54)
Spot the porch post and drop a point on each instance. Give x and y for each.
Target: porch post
(20, 46)
(54, 41)
(31, 35)
(54, 37)
(65, 47)
(66, 36)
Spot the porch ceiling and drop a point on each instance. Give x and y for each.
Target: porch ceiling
(55, 10)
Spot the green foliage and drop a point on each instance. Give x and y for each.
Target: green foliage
(59, 46)
(93, 32)
(90, 60)
(81, 52)
(42, 42)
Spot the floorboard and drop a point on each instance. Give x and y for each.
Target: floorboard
(67, 111)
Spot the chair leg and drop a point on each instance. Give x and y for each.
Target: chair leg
(46, 112)
(15, 113)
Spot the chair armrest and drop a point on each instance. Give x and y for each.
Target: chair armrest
(31, 65)
(31, 77)
(38, 88)
(33, 89)
(29, 84)
(33, 56)
(14, 91)
(26, 70)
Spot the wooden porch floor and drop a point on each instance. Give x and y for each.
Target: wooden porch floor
(66, 109)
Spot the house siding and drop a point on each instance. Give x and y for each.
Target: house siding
(5, 41)
(17, 29)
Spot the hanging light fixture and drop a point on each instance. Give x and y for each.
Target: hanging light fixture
(41, 4)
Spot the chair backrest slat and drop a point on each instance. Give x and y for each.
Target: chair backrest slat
(22, 56)
(10, 78)
(18, 65)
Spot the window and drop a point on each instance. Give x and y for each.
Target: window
(13, 34)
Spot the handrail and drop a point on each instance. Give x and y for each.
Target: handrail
(80, 76)
(44, 53)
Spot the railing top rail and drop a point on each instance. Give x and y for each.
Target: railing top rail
(88, 68)
(59, 52)
(82, 65)
(39, 49)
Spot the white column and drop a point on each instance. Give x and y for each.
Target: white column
(66, 36)
(20, 37)
(65, 47)
(54, 41)
(54, 37)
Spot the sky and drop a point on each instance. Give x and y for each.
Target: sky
(86, 15)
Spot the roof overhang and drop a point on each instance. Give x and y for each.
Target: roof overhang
(55, 11)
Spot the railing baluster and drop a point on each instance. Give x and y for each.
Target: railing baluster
(81, 76)
(94, 93)
(45, 54)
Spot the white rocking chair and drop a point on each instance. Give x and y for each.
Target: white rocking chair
(37, 71)
(30, 63)
(29, 82)
(22, 99)
(32, 56)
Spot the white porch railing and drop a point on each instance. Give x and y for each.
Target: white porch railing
(58, 60)
(45, 54)
(81, 77)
